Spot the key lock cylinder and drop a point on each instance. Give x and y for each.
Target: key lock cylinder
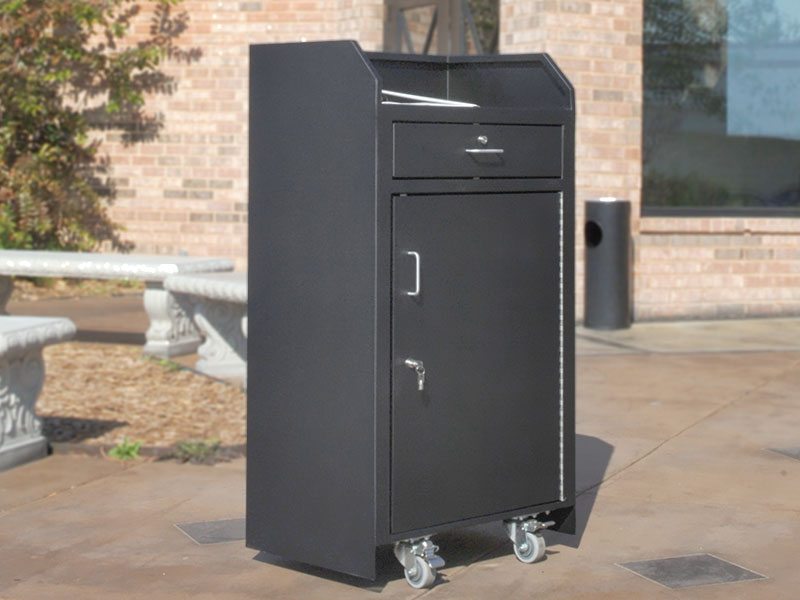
(419, 368)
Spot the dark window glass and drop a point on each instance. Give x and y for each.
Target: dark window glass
(721, 105)
(422, 26)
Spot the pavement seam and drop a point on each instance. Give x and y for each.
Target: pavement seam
(71, 488)
(742, 396)
(611, 343)
(720, 351)
(634, 349)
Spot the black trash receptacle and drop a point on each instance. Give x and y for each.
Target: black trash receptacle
(607, 292)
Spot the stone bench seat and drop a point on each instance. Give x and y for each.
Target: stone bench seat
(219, 307)
(21, 378)
(171, 331)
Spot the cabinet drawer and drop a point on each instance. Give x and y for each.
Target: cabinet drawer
(447, 150)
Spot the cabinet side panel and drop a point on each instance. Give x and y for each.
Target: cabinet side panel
(311, 311)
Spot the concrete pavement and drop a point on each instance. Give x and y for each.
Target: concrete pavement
(675, 423)
(117, 319)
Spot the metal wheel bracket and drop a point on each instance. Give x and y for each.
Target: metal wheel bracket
(406, 551)
(517, 527)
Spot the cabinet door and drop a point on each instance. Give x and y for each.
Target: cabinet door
(476, 299)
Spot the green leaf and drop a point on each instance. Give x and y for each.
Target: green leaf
(11, 7)
(125, 450)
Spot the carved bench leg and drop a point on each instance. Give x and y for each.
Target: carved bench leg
(21, 380)
(6, 287)
(224, 351)
(171, 331)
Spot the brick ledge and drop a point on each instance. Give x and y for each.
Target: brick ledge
(722, 225)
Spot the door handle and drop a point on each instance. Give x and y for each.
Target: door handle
(417, 278)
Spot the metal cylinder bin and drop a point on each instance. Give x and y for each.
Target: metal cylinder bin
(607, 291)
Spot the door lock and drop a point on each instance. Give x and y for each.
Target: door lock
(417, 365)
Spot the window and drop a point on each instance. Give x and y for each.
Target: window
(442, 26)
(721, 107)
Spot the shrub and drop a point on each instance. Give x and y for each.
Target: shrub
(58, 57)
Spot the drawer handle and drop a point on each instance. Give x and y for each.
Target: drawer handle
(484, 150)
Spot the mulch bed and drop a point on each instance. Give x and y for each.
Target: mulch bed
(100, 394)
(96, 396)
(46, 288)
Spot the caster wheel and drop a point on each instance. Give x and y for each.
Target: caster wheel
(421, 575)
(532, 550)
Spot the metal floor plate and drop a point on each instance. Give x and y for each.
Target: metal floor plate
(214, 532)
(690, 571)
(791, 452)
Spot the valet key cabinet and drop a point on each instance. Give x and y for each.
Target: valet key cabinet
(411, 343)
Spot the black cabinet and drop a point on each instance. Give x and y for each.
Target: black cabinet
(411, 302)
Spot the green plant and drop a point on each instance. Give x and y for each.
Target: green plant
(169, 365)
(125, 450)
(207, 452)
(65, 69)
(43, 282)
(164, 363)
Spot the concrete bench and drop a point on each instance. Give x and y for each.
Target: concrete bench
(21, 380)
(171, 331)
(219, 306)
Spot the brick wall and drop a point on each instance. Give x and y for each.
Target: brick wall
(186, 191)
(684, 267)
(717, 268)
(598, 44)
